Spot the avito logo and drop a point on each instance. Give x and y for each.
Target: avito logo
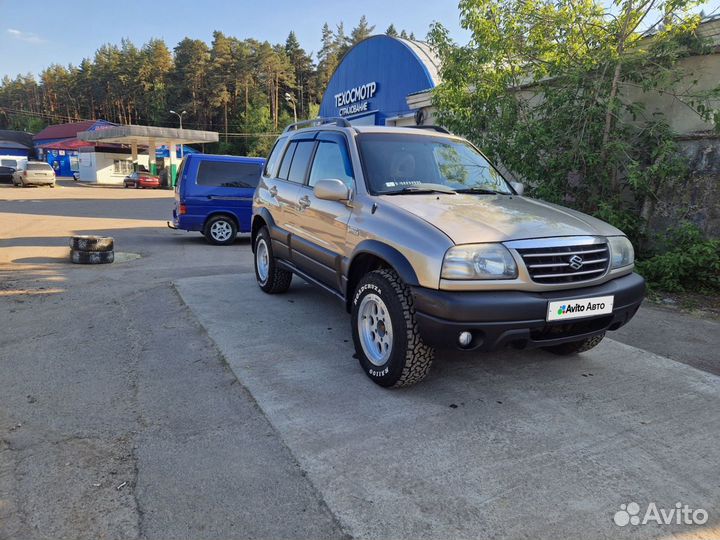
(579, 308)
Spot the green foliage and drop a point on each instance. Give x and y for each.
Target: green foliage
(688, 262)
(553, 90)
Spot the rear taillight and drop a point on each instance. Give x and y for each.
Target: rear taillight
(182, 210)
(25, 174)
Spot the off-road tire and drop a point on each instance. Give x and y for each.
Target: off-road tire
(208, 234)
(92, 257)
(410, 359)
(575, 347)
(92, 243)
(278, 279)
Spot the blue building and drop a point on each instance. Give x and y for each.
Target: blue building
(16, 143)
(58, 144)
(378, 82)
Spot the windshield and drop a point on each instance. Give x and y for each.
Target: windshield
(401, 163)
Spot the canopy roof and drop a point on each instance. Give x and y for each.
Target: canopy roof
(147, 135)
(66, 144)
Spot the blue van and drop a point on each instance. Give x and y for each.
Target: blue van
(214, 195)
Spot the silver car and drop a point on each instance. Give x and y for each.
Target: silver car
(35, 173)
(429, 246)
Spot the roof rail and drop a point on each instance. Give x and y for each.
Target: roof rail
(439, 129)
(319, 121)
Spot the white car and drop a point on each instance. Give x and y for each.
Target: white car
(35, 173)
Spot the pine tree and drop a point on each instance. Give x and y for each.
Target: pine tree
(362, 31)
(391, 31)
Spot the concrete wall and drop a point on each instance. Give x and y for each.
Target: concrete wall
(698, 198)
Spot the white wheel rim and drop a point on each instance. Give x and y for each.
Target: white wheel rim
(220, 230)
(262, 260)
(375, 329)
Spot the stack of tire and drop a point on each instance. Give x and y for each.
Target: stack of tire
(92, 249)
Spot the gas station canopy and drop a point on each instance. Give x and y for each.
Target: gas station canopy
(150, 137)
(147, 135)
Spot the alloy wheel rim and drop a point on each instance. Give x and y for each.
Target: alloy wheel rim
(262, 260)
(220, 230)
(375, 329)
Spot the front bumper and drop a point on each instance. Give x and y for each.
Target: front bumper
(501, 318)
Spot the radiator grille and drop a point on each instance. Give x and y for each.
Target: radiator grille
(566, 264)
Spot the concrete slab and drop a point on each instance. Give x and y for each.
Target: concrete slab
(505, 445)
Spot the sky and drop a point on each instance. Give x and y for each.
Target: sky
(66, 32)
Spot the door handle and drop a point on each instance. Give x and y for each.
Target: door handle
(273, 191)
(304, 202)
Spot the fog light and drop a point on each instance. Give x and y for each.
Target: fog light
(464, 339)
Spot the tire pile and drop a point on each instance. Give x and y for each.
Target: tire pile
(92, 249)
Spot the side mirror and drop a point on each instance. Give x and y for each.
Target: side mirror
(331, 190)
(519, 187)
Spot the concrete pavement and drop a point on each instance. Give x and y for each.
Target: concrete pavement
(505, 445)
(119, 418)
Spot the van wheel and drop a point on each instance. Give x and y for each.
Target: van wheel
(385, 333)
(270, 278)
(575, 347)
(220, 230)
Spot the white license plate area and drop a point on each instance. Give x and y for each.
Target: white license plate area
(562, 310)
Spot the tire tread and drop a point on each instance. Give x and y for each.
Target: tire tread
(418, 356)
(279, 279)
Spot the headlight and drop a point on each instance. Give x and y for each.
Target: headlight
(621, 251)
(479, 261)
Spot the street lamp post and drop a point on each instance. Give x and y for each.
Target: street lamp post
(291, 100)
(179, 115)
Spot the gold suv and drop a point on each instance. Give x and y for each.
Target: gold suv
(429, 246)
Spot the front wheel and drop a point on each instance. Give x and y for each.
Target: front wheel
(270, 278)
(575, 347)
(221, 231)
(385, 333)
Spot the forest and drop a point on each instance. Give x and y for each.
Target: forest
(236, 87)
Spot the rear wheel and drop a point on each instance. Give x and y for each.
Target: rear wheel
(575, 347)
(385, 333)
(270, 277)
(220, 230)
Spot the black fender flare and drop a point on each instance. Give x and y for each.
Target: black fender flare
(389, 254)
(276, 233)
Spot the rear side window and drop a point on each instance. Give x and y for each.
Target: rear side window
(300, 161)
(228, 174)
(9, 163)
(271, 165)
(287, 160)
(38, 167)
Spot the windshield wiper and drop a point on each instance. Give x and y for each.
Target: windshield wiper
(422, 188)
(485, 191)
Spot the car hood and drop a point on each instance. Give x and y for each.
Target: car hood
(473, 218)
